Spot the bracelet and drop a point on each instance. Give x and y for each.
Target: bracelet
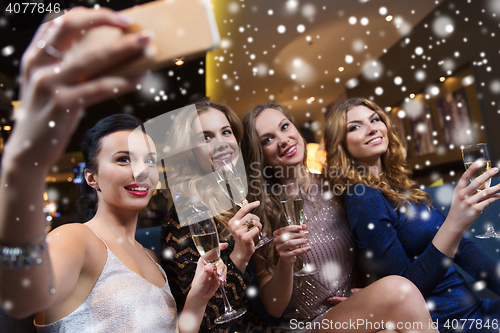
(27, 256)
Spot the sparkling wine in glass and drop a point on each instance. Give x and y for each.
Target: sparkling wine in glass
(230, 182)
(294, 213)
(206, 239)
(479, 153)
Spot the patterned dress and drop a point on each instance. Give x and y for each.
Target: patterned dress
(332, 254)
(180, 269)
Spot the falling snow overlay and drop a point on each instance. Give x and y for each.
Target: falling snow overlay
(290, 51)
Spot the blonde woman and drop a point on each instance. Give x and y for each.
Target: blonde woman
(214, 131)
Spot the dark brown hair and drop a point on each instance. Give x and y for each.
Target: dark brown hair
(394, 181)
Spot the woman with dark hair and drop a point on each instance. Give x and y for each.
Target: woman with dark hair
(91, 145)
(93, 276)
(211, 127)
(274, 153)
(395, 222)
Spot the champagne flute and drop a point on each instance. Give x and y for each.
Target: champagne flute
(230, 182)
(479, 153)
(206, 239)
(294, 213)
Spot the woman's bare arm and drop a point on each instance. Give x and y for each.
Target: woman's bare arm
(54, 93)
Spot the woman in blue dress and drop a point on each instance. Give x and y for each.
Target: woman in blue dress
(395, 222)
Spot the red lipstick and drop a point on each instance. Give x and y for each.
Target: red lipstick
(140, 190)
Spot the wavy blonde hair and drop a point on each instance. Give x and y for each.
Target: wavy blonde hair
(261, 179)
(185, 167)
(394, 181)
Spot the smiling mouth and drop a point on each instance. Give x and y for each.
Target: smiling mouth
(137, 189)
(290, 150)
(375, 140)
(227, 156)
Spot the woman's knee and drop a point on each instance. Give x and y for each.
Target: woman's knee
(398, 290)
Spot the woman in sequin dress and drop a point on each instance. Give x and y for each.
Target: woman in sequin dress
(395, 221)
(91, 277)
(274, 153)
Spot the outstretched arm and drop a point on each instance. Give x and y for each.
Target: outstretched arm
(54, 93)
(466, 206)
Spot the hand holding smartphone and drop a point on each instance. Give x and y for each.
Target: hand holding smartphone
(177, 28)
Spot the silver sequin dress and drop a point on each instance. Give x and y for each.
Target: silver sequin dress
(332, 253)
(121, 301)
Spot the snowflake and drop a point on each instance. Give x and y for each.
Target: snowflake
(8, 50)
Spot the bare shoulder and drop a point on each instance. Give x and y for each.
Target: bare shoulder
(74, 230)
(75, 247)
(74, 235)
(152, 254)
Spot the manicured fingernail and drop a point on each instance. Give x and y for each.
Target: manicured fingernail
(306, 233)
(150, 33)
(124, 19)
(299, 228)
(495, 169)
(142, 39)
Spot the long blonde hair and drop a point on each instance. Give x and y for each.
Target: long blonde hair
(261, 180)
(342, 169)
(185, 167)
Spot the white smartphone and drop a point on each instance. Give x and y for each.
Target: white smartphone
(180, 29)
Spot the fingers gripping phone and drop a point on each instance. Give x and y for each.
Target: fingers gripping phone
(178, 29)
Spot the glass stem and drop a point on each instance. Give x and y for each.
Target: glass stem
(304, 261)
(488, 217)
(490, 227)
(259, 238)
(227, 306)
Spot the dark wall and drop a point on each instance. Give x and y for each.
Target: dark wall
(180, 84)
(475, 40)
